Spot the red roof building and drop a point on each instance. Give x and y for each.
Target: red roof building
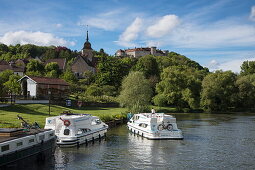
(44, 87)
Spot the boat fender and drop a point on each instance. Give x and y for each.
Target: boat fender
(67, 122)
(169, 127)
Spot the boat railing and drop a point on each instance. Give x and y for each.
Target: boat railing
(153, 115)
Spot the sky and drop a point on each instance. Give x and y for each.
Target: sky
(218, 34)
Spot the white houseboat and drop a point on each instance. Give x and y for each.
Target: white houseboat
(75, 129)
(155, 126)
(19, 145)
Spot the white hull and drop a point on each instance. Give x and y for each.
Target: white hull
(175, 134)
(74, 141)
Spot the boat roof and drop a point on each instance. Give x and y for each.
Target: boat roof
(20, 135)
(71, 116)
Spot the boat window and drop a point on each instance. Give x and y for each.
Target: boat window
(5, 148)
(98, 121)
(66, 132)
(41, 137)
(31, 140)
(51, 134)
(19, 143)
(80, 131)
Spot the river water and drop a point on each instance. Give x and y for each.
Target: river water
(211, 141)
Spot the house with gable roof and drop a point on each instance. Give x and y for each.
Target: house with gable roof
(43, 87)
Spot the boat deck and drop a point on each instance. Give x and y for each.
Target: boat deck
(22, 134)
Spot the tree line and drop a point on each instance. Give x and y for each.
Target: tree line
(136, 83)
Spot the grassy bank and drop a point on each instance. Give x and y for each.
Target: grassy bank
(38, 113)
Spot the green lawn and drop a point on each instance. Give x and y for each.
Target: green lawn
(38, 113)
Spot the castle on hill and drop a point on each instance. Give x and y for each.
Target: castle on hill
(139, 52)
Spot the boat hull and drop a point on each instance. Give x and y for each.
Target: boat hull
(39, 152)
(170, 135)
(81, 139)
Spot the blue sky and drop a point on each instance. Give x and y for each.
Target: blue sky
(219, 34)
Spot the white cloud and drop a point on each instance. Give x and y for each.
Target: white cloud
(131, 33)
(163, 26)
(226, 33)
(252, 15)
(233, 65)
(108, 21)
(37, 38)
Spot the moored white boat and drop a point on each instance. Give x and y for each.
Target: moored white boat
(25, 144)
(75, 129)
(155, 126)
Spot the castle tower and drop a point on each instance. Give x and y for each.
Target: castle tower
(153, 50)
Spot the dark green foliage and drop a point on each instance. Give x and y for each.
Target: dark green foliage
(35, 68)
(248, 67)
(246, 91)
(111, 70)
(174, 59)
(4, 77)
(148, 65)
(180, 86)
(12, 85)
(94, 90)
(219, 92)
(52, 70)
(69, 77)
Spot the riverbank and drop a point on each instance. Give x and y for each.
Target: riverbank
(38, 112)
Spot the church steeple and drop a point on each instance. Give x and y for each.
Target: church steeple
(87, 39)
(87, 44)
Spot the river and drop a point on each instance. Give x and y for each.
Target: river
(211, 141)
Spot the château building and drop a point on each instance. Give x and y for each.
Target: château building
(139, 52)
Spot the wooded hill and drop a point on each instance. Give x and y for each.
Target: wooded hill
(172, 80)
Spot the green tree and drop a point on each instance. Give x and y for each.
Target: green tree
(246, 91)
(248, 67)
(135, 92)
(69, 77)
(94, 90)
(52, 70)
(111, 70)
(219, 92)
(148, 65)
(4, 77)
(12, 86)
(180, 86)
(35, 67)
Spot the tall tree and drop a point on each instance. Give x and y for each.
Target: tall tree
(135, 92)
(248, 67)
(219, 92)
(246, 91)
(179, 86)
(148, 65)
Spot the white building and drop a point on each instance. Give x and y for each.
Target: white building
(139, 52)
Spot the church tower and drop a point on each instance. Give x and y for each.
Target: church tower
(87, 51)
